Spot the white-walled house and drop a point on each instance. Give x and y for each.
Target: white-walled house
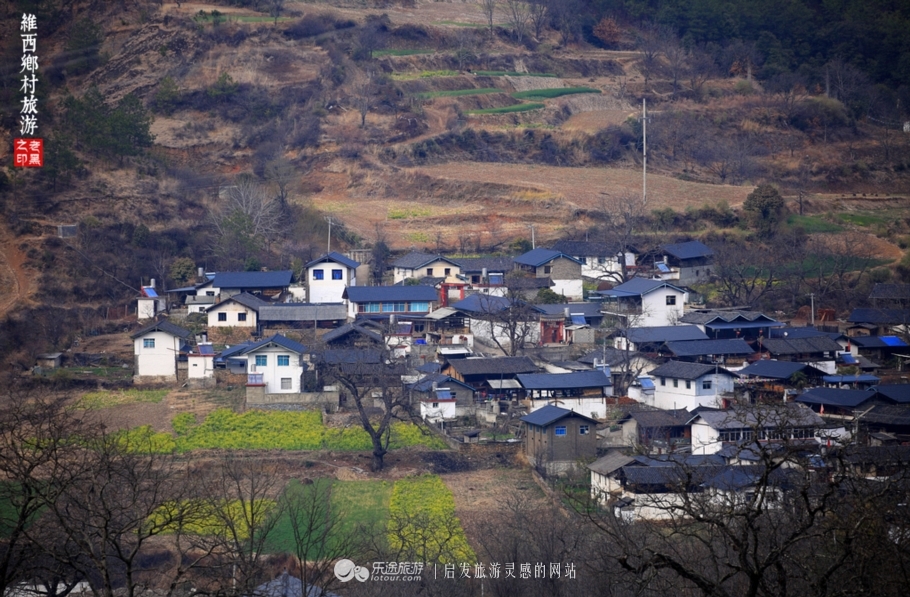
(201, 365)
(149, 304)
(645, 303)
(564, 270)
(275, 363)
(422, 265)
(679, 384)
(156, 348)
(753, 426)
(240, 311)
(598, 260)
(328, 276)
(379, 302)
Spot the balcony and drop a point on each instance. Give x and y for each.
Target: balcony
(255, 379)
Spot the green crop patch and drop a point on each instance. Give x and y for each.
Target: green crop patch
(510, 73)
(458, 92)
(551, 93)
(508, 109)
(106, 399)
(813, 224)
(862, 219)
(422, 522)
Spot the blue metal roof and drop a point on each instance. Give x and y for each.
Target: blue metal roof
(280, 341)
(336, 257)
(697, 348)
(563, 381)
(850, 379)
(847, 358)
(206, 349)
(638, 287)
(539, 256)
(665, 333)
(378, 294)
(688, 250)
(550, 414)
(277, 279)
(579, 320)
(835, 396)
(776, 369)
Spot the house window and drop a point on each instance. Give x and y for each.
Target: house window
(429, 271)
(583, 430)
(496, 279)
(688, 384)
(475, 279)
(584, 260)
(663, 381)
(285, 383)
(706, 384)
(675, 383)
(148, 343)
(547, 269)
(447, 271)
(671, 299)
(336, 274)
(696, 273)
(419, 307)
(241, 317)
(262, 360)
(222, 317)
(435, 405)
(318, 274)
(284, 360)
(209, 293)
(560, 431)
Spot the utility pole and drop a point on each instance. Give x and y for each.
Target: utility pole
(533, 240)
(329, 220)
(812, 298)
(644, 151)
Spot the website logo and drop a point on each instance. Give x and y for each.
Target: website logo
(346, 570)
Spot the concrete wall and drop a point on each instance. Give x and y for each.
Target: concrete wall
(655, 310)
(328, 290)
(669, 397)
(232, 309)
(160, 360)
(256, 396)
(434, 268)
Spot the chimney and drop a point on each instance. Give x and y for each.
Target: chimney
(152, 283)
(200, 272)
(566, 311)
(483, 276)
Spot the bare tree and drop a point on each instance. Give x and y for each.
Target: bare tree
(488, 7)
(509, 321)
(567, 15)
(518, 13)
(623, 218)
(539, 15)
(362, 96)
(246, 219)
(744, 273)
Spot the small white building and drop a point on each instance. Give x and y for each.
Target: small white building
(328, 276)
(149, 304)
(645, 303)
(156, 348)
(600, 261)
(440, 406)
(679, 384)
(276, 364)
(240, 311)
(201, 365)
(422, 265)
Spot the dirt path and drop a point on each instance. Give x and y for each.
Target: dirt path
(15, 280)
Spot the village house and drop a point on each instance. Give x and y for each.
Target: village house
(599, 261)
(328, 276)
(381, 302)
(274, 366)
(157, 348)
(717, 324)
(755, 425)
(420, 265)
(239, 310)
(775, 380)
(581, 391)
(441, 397)
(479, 373)
(678, 384)
(729, 352)
(149, 304)
(557, 440)
(686, 263)
(267, 285)
(485, 273)
(644, 303)
(656, 431)
(499, 319)
(564, 270)
(651, 339)
(569, 323)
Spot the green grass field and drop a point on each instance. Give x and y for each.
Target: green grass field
(458, 92)
(813, 224)
(106, 399)
(507, 109)
(510, 73)
(862, 219)
(551, 93)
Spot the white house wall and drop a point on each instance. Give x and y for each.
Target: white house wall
(272, 374)
(160, 360)
(232, 309)
(200, 366)
(328, 290)
(656, 312)
(668, 398)
(486, 331)
(705, 439)
(571, 289)
(434, 269)
(589, 407)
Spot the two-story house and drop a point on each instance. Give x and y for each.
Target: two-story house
(755, 426)
(678, 384)
(240, 310)
(557, 440)
(687, 263)
(379, 302)
(564, 270)
(644, 303)
(421, 265)
(599, 261)
(275, 364)
(328, 276)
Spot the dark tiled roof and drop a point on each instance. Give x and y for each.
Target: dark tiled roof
(494, 366)
(425, 384)
(660, 418)
(665, 333)
(350, 356)
(693, 348)
(416, 259)
(163, 326)
(430, 367)
(885, 291)
(612, 356)
(539, 256)
(682, 370)
(375, 294)
(610, 463)
(835, 397)
(277, 279)
(880, 316)
(424, 281)
(898, 392)
(350, 328)
(702, 317)
(688, 250)
(637, 287)
(550, 414)
(800, 345)
(787, 415)
(528, 283)
(336, 257)
(484, 303)
(806, 332)
(878, 342)
(280, 341)
(563, 381)
(888, 414)
(476, 265)
(244, 298)
(304, 312)
(580, 248)
(779, 369)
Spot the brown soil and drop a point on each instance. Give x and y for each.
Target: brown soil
(491, 489)
(15, 279)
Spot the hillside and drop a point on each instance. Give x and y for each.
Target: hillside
(408, 125)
